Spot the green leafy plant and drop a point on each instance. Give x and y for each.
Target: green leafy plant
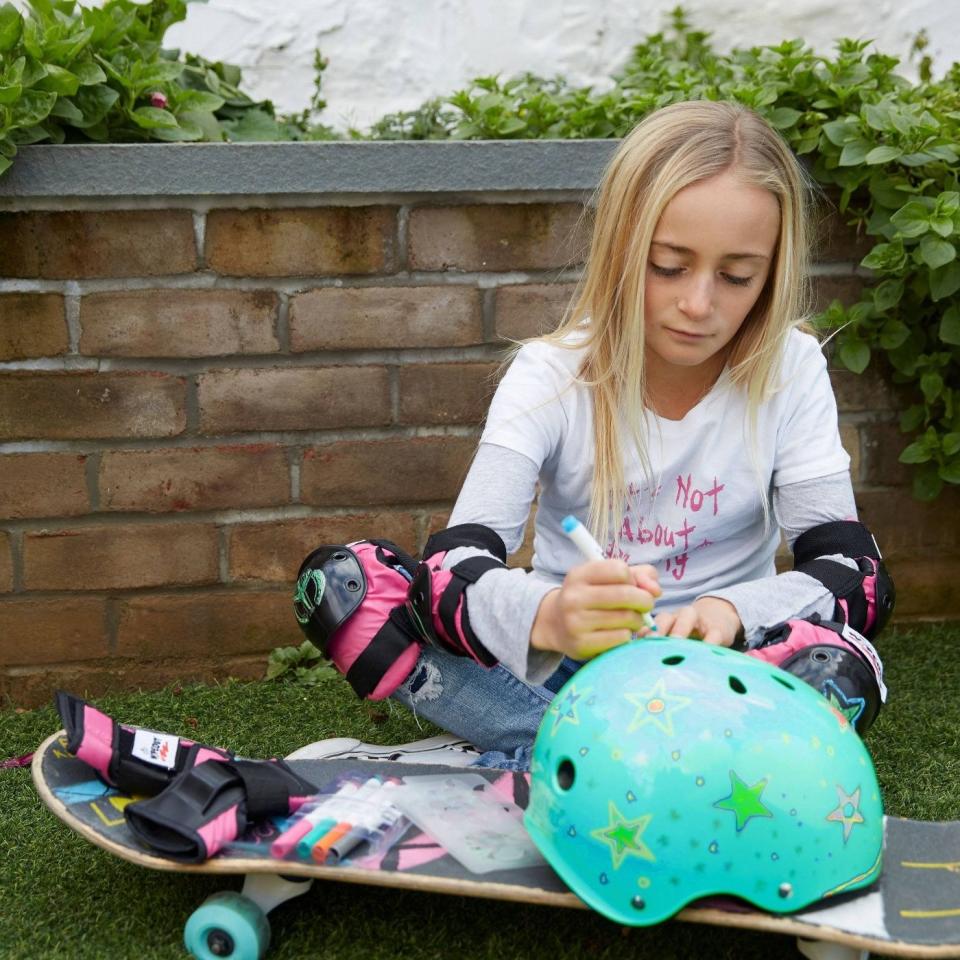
(304, 664)
(887, 148)
(100, 73)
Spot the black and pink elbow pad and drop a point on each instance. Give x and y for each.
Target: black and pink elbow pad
(438, 597)
(865, 596)
(132, 759)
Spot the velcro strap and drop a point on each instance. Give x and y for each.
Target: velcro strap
(466, 535)
(267, 791)
(465, 573)
(844, 583)
(389, 642)
(847, 537)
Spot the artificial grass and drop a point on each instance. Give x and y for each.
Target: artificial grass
(63, 897)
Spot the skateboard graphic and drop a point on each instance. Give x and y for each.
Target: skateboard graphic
(913, 910)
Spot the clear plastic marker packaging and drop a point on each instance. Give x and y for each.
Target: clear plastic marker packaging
(349, 817)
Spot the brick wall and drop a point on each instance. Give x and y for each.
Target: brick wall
(192, 396)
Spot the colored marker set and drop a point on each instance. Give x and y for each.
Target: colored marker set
(334, 825)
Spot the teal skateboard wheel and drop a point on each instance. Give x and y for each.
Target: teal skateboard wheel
(227, 925)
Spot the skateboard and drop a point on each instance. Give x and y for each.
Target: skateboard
(912, 911)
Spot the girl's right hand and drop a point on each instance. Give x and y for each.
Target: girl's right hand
(599, 606)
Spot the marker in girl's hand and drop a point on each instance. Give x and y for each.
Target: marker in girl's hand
(591, 550)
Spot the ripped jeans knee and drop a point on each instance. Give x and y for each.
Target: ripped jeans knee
(424, 683)
(488, 706)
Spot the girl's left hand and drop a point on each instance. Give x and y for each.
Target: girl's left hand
(709, 619)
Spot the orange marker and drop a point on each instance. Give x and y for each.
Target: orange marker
(322, 847)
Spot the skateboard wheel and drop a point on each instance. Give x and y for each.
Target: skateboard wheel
(227, 925)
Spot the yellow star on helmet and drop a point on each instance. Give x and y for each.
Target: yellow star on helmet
(656, 706)
(622, 836)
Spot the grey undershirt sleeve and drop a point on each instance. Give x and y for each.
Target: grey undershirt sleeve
(498, 492)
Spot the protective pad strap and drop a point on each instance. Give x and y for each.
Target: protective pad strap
(389, 643)
(848, 537)
(844, 583)
(453, 612)
(173, 823)
(466, 535)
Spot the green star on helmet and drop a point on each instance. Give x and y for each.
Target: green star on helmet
(623, 836)
(744, 801)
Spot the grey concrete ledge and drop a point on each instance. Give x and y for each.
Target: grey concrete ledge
(375, 167)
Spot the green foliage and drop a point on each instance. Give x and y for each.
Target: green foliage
(304, 665)
(69, 74)
(888, 148)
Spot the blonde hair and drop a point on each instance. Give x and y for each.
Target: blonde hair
(670, 149)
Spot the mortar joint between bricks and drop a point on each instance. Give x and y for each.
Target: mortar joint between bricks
(488, 311)
(401, 258)
(223, 545)
(192, 405)
(282, 323)
(199, 237)
(111, 624)
(16, 559)
(91, 470)
(295, 462)
(71, 310)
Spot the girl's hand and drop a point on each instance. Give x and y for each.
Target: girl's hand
(599, 606)
(709, 619)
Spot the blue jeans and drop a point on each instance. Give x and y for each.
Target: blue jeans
(489, 707)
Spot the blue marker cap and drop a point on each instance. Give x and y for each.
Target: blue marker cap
(569, 524)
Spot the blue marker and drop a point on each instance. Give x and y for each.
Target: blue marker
(591, 550)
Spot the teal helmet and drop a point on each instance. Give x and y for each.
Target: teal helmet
(668, 770)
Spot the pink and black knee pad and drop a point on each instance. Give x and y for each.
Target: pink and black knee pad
(370, 607)
(350, 601)
(834, 659)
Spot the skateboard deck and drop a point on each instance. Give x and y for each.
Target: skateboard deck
(912, 911)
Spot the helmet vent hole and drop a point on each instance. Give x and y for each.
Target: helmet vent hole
(736, 685)
(821, 656)
(566, 774)
(638, 903)
(785, 683)
(673, 661)
(352, 585)
(339, 555)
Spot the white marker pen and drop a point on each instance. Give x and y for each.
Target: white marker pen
(591, 550)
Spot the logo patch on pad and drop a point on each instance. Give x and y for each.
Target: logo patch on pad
(160, 749)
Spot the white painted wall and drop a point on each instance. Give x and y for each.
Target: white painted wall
(389, 55)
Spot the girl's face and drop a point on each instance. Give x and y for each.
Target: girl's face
(709, 259)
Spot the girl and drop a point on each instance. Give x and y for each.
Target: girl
(676, 403)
